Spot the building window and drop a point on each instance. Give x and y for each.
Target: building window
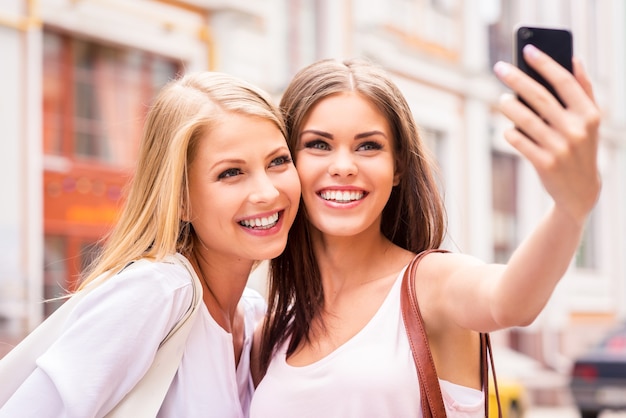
(501, 32)
(53, 94)
(504, 187)
(54, 272)
(587, 254)
(436, 143)
(96, 97)
(306, 28)
(431, 25)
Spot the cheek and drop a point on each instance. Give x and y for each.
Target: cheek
(308, 171)
(212, 200)
(291, 185)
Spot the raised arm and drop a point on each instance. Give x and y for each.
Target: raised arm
(562, 144)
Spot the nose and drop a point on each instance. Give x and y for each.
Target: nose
(263, 189)
(342, 164)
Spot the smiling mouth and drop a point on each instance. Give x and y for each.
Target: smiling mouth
(339, 196)
(260, 223)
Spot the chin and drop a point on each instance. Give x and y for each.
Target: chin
(271, 251)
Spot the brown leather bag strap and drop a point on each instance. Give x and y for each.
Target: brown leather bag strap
(431, 398)
(486, 361)
(484, 366)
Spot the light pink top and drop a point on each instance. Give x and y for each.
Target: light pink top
(371, 375)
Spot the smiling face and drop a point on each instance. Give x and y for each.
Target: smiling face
(345, 160)
(243, 189)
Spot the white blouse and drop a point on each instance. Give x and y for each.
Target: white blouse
(111, 338)
(371, 375)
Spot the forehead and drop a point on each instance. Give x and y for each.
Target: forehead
(239, 133)
(346, 111)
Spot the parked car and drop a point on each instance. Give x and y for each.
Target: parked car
(512, 399)
(598, 378)
(512, 370)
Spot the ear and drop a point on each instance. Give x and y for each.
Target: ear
(397, 173)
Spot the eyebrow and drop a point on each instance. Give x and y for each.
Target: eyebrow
(330, 136)
(239, 161)
(227, 161)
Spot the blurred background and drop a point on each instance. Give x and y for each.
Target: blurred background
(77, 76)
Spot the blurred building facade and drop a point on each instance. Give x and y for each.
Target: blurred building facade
(78, 75)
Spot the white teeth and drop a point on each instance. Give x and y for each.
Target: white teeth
(261, 223)
(341, 196)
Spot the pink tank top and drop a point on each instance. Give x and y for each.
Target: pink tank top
(371, 375)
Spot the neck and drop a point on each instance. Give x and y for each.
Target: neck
(223, 283)
(355, 259)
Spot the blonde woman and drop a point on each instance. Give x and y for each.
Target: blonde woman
(215, 184)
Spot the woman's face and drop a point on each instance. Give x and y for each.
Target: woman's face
(345, 161)
(243, 189)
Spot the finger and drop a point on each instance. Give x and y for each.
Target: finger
(532, 92)
(531, 125)
(583, 78)
(529, 149)
(566, 85)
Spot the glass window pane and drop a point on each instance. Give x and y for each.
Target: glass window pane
(504, 195)
(84, 99)
(89, 251)
(53, 93)
(162, 71)
(86, 143)
(587, 257)
(111, 87)
(55, 272)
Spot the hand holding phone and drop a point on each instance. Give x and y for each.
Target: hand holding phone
(557, 43)
(562, 141)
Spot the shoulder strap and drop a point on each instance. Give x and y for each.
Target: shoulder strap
(486, 362)
(431, 398)
(146, 397)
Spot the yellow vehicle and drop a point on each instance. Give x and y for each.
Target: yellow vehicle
(512, 399)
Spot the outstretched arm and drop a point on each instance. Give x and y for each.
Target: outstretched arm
(561, 143)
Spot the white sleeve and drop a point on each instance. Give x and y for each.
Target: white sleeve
(108, 344)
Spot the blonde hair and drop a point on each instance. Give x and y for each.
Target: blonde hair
(150, 223)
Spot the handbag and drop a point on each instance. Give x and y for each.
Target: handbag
(430, 391)
(146, 397)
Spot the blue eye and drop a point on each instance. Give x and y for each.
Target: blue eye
(370, 146)
(282, 160)
(317, 144)
(231, 172)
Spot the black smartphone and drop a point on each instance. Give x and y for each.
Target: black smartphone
(557, 43)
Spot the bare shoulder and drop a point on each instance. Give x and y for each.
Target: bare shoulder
(435, 279)
(454, 349)
(435, 267)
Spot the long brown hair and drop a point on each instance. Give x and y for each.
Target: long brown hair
(150, 224)
(413, 218)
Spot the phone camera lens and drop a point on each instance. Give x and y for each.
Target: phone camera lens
(526, 33)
